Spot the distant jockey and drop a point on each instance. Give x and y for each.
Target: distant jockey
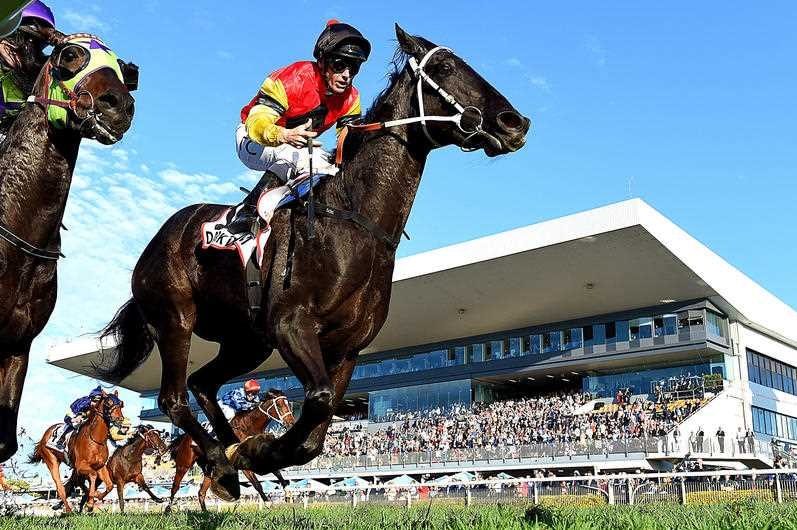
(241, 399)
(78, 412)
(20, 53)
(301, 101)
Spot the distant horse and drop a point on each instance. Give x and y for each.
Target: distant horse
(274, 407)
(126, 464)
(324, 298)
(87, 449)
(80, 93)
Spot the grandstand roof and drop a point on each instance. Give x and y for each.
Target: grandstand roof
(614, 258)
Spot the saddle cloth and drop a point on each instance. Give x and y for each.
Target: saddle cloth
(215, 234)
(52, 441)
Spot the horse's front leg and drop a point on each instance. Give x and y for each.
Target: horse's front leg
(92, 490)
(305, 440)
(13, 366)
(234, 358)
(174, 343)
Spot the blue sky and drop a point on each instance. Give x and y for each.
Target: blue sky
(689, 106)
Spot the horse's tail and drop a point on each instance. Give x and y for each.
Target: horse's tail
(35, 457)
(134, 342)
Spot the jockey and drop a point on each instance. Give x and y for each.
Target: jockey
(241, 399)
(299, 102)
(78, 412)
(12, 96)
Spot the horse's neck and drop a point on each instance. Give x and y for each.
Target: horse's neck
(382, 178)
(137, 447)
(98, 429)
(35, 174)
(252, 422)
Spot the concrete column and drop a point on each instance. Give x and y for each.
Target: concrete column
(468, 499)
(682, 491)
(610, 491)
(778, 490)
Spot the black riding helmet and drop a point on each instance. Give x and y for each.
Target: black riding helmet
(343, 40)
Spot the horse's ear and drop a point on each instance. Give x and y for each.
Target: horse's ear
(409, 44)
(116, 392)
(52, 36)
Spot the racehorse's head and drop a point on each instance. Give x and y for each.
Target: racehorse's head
(111, 409)
(449, 86)
(152, 440)
(86, 88)
(278, 408)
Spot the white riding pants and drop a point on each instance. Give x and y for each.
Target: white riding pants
(285, 161)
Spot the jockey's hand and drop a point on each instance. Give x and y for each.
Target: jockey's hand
(297, 137)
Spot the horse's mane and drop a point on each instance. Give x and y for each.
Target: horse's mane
(397, 64)
(273, 393)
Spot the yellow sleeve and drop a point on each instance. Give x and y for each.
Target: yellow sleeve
(272, 102)
(351, 114)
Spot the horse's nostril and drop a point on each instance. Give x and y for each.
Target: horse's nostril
(510, 121)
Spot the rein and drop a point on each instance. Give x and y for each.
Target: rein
(472, 128)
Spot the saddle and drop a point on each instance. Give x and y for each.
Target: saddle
(52, 441)
(245, 227)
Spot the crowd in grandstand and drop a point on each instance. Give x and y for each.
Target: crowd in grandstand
(552, 419)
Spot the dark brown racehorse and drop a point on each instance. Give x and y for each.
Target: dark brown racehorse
(36, 167)
(324, 298)
(87, 449)
(185, 453)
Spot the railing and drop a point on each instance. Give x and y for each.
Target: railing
(716, 487)
(663, 446)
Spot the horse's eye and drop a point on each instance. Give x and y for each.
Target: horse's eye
(446, 68)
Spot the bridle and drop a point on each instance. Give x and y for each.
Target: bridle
(468, 119)
(75, 98)
(277, 415)
(144, 434)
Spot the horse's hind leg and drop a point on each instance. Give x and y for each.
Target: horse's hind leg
(52, 464)
(255, 482)
(179, 473)
(13, 366)
(234, 358)
(142, 484)
(174, 343)
(203, 492)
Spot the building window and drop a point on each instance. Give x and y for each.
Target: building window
(716, 325)
(771, 373)
(552, 342)
(640, 328)
(572, 339)
(536, 344)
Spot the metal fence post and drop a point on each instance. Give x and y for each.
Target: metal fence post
(610, 491)
(354, 499)
(536, 492)
(778, 490)
(305, 500)
(409, 499)
(630, 485)
(682, 491)
(468, 499)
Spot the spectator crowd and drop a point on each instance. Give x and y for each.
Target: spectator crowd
(553, 419)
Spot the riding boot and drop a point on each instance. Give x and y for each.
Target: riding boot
(244, 219)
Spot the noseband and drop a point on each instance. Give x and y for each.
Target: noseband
(277, 416)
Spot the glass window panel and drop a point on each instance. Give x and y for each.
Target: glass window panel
(536, 344)
(621, 328)
(572, 338)
(552, 342)
(516, 346)
(478, 352)
(598, 334)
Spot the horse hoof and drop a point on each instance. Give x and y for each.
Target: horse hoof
(226, 486)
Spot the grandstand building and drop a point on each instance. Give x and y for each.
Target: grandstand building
(613, 300)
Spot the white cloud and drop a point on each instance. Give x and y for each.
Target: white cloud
(539, 82)
(84, 22)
